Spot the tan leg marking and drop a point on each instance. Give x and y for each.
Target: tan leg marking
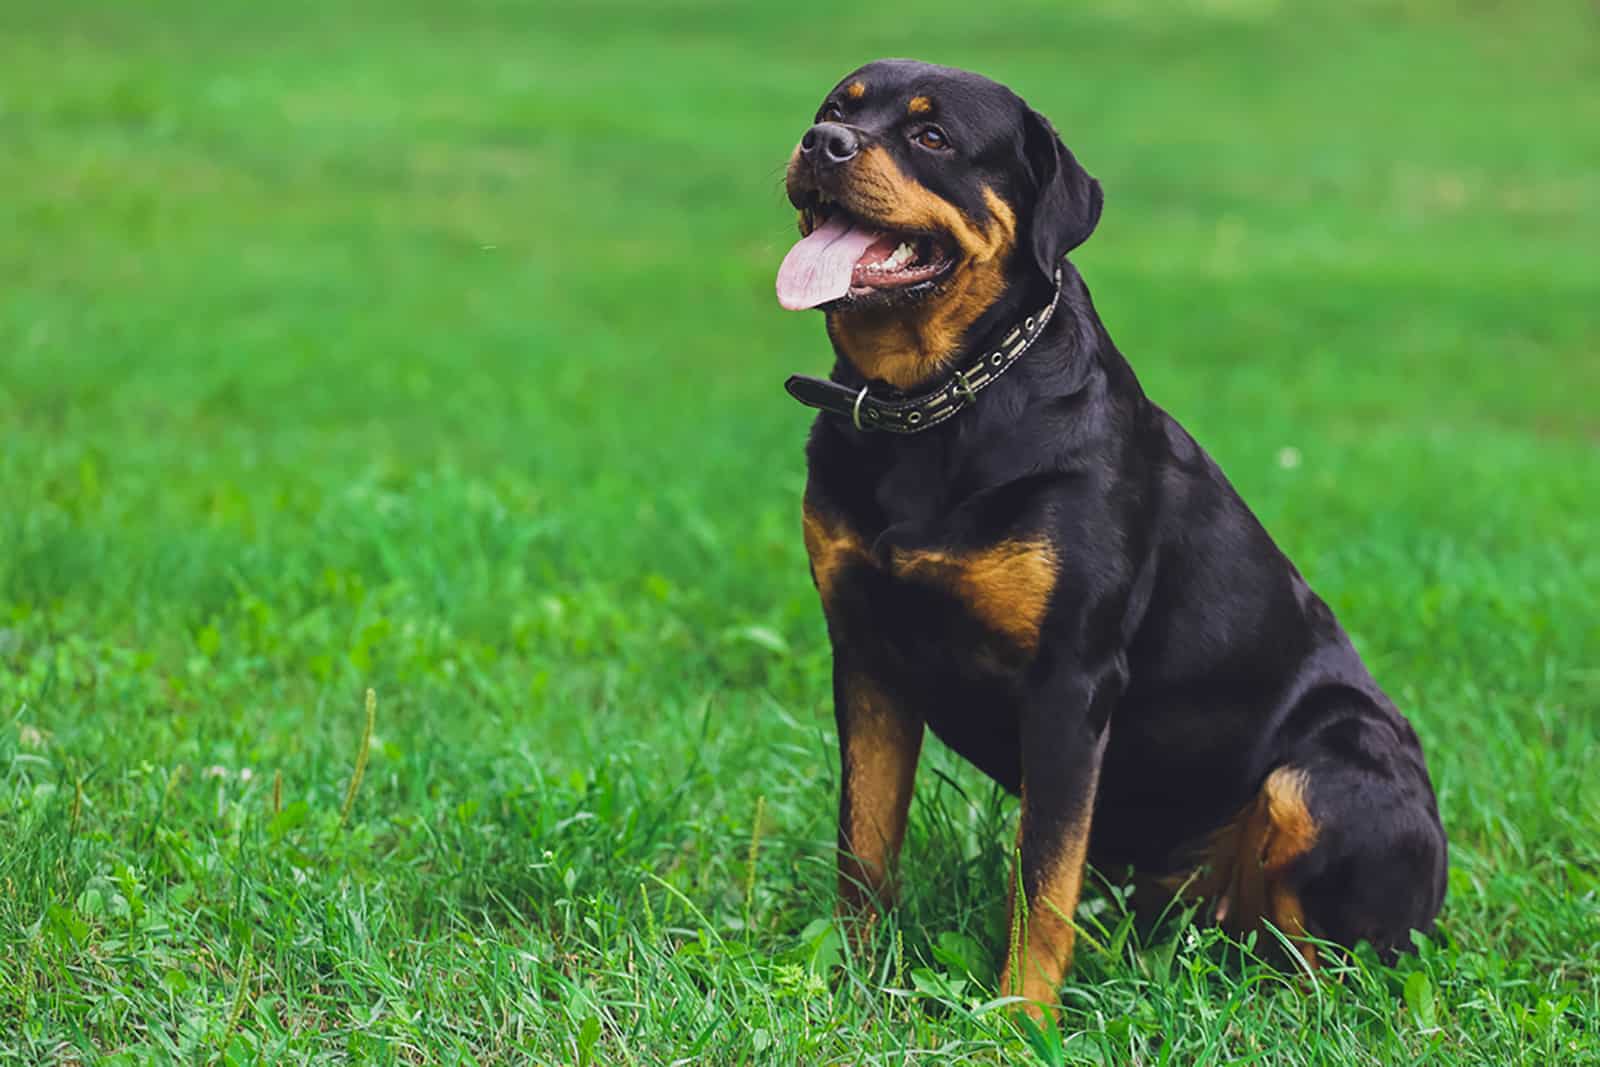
(1042, 938)
(1007, 586)
(1292, 833)
(1245, 874)
(1289, 915)
(880, 764)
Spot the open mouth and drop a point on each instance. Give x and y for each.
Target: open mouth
(844, 259)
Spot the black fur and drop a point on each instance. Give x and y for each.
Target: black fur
(1066, 201)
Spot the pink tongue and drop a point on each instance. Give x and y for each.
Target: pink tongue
(817, 269)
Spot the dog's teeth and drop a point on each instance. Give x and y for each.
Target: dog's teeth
(898, 257)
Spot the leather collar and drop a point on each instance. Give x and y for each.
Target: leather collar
(924, 411)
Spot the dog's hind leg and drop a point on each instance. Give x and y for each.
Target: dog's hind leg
(1379, 868)
(1343, 843)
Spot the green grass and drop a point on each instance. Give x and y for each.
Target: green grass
(432, 348)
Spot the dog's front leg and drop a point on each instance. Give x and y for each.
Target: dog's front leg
(1064, 733)
(879, 741)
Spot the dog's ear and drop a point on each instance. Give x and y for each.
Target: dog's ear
(1066, 202)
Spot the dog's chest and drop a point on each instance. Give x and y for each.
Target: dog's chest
(933, 604)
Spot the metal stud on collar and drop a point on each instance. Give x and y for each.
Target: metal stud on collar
(963, 388)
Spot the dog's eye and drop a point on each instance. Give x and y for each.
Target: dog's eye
(931, 137)
(830, 113)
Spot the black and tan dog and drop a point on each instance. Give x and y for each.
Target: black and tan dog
(1016, 549)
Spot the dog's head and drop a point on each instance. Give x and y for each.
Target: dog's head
(924, 194)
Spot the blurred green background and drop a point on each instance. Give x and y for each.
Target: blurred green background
(433, 348)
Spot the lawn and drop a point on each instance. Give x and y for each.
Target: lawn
(432, 349)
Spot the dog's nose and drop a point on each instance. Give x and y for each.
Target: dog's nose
(830, 143)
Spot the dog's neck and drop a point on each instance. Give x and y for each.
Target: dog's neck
(912, 349)
(908, 347)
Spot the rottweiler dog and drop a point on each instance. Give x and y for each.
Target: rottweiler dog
(1016, 549)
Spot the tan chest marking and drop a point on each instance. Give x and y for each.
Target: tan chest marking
(1007, 586)
(831, 545)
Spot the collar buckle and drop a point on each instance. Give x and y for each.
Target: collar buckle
(855, 409)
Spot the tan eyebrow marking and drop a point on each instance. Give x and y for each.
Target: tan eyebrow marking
(919, 105)
(856, 90)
